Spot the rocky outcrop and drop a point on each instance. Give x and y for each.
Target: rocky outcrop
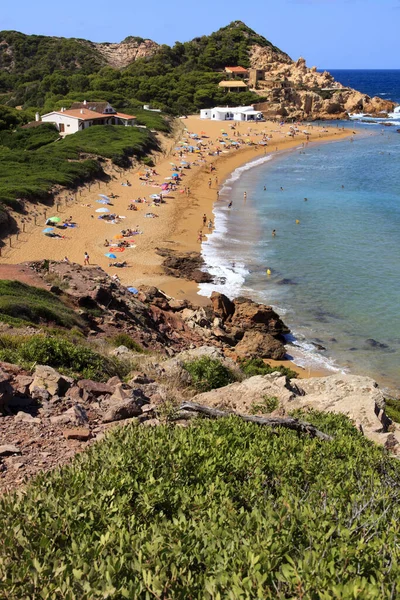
(185, 265)
(123, 54)
(295, 91)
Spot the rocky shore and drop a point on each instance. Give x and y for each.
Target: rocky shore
(47, 416)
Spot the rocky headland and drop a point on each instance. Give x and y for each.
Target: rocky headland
(47, 416)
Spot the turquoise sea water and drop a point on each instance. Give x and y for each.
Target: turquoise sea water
(335, 275)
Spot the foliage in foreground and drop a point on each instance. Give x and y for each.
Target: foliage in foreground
(223, 509)
(208, 374)
(392, 409)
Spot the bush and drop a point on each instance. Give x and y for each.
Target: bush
(268, 405)
(64, 355)
(123, 339)
(392, 409)
(225, 509)
(209, 374)
(256, 366)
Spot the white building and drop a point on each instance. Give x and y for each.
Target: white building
(82, 115)
(236, 113)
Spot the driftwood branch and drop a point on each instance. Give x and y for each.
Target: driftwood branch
(285, 422)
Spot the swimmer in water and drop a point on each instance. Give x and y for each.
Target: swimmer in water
(230, 204)
(265, 189)
(281, 189)
(305, 199)
(273, 232)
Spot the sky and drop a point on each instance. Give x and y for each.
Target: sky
(336, 34)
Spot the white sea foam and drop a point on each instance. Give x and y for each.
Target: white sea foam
(235, 175)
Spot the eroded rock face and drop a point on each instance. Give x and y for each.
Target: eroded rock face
(123, 54)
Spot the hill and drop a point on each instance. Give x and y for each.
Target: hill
(40, 71)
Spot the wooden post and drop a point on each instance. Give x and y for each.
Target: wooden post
(10, 242)
(23, 227)
(35, 219)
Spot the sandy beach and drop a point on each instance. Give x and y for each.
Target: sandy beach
(178, 220)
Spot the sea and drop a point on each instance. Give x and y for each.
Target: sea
(332, 271)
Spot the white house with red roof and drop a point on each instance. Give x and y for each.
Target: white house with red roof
(85, 114)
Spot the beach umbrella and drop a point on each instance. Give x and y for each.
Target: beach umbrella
(54, 219)
(110, 255)
(155, 196)
(102, 202)
(102, 210)
(105, 197)
(184, 162)
(164, 186)
(48, 230)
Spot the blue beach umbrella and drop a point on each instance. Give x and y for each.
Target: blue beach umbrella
(110, 255)
(105, 197)
(102, 202)
(48, 230)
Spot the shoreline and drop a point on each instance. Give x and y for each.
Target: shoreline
(180, 219)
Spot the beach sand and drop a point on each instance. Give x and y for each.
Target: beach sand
(178, 220)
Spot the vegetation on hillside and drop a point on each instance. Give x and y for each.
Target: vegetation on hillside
(222, 509)
(32, 161)
(40, 71)
(22, 304)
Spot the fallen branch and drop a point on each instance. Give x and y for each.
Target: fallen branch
(285, 422)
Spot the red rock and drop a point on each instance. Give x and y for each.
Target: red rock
(94, 387)
(222, 306)
(77, 433)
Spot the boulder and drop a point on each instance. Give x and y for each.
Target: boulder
(222, 306)
(256, 344)
(8, 450)
(122, 410)
(95, 387)
(76, 415)
(82, 434)
(21, 384)
(25, 417)
(251, 315)
(49, 379)
(6, 391)
(242, 397)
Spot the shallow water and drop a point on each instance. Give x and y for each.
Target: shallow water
(334, 275)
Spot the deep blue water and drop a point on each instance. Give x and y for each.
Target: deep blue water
(335, 274)
(382, 83)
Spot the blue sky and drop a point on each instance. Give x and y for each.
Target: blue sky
(327, 33)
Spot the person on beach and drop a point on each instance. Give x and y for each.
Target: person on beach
(86, 259)
(209, 183)
(200, 236)
(66, 259)
(210, 224)
(230, 204)
(245, 196)
(217, 195)
(204, 219)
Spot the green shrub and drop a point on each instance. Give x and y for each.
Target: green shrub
(67, 356)
(268, 405)
(224, 509)
(392, 409)
(209, 374)
(123, 339)
(256, 366)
